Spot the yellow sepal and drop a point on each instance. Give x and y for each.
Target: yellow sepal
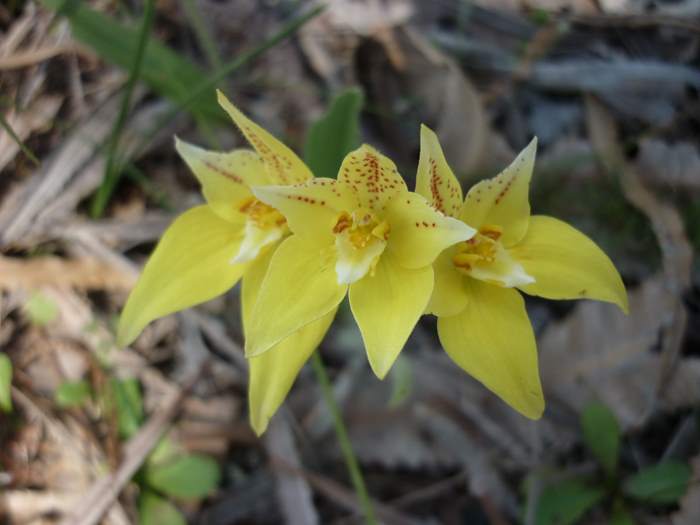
(492, 340)
(419, 233)
(300, 287)
(566, 264)
(282, 164)
(387, 305)
(190, 265)
(435, 180)
(225, 177)
(503, 200)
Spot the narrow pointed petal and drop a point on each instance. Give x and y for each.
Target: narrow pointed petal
(282, 164)
(492, 340)
(312, 208)
(450, 295)
(387, 306)
(503, 200)
(300, 286)
(273, 372)
(225, 177)
(435, 180)
(190, 265)
(372, 176)
(419, 233)
(566, 264)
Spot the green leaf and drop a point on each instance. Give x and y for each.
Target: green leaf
(187, 477)
(661, 483)
(40, 309)
(128, 404)
(334, 135)
(154, 510)
(164, 70)
(602, 435)
(72, 393)
(566, 502)
(5, 383)
(163, 452)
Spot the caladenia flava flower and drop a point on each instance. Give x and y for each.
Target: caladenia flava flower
(210, 247)
(482, 322)
(364, 235)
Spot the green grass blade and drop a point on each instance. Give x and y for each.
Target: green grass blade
(206, 42)
(105, 190)
(11, 132)
(209, 84)
(164, 70)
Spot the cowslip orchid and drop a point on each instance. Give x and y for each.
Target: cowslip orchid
(364, 235)
(482, 322)
(209, 248)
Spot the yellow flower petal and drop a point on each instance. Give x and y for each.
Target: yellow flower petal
(250, 285)
(435, 180)
(300, 287)
(190, 265)
(387, 305)
(282, 164)
(225, 177)
(492, 340)
(449, 295)
(566, 264)
(372, 176)
(311, 208)
(419, 233)
(273, 372)
(503, 200)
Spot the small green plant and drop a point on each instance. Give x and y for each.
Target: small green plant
(566, 502)
(168, 472)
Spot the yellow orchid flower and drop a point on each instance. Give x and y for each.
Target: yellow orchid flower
(364, 233)
(482, 322)
(210, 247)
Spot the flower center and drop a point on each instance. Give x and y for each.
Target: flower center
(360, 238)
(480, 250)
(264, 225)
(263, 215)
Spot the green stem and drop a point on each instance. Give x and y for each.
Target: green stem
(343, 439)
(101, 198)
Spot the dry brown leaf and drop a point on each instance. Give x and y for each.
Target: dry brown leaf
(676, 251)
(599, 353)
(85, 273)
